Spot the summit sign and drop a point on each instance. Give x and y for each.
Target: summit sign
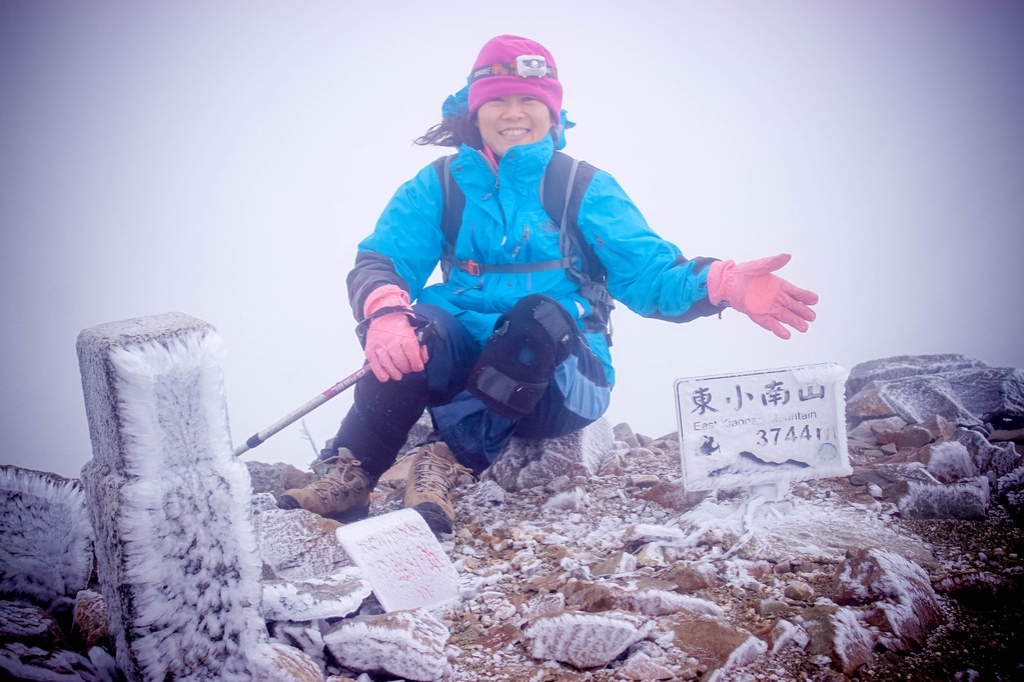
(760, 428)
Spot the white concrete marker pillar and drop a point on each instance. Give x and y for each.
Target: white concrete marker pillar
(177, 557)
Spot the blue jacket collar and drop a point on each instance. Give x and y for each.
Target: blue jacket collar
(522, 166)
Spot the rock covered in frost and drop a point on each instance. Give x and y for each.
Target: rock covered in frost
(715, 644)
(333, 596)
(531, 463)
(979, 590)
(543, 605)
(967, 499)
(688, 578)
(274, 662)
(408, 644)
(584, 640)
(28, 624)
(917, 388)
(624, 432)
(992, 394)
(869, 429)
(785, 634)
(604, 596)
(20, 661)
(836, 632)
(619, 562)
(913, 399)
(47, 548)
(296, 544)
(640, 666)
(90, 618)
(996, 459)
(1011, 489)
(32, 647)
(277, 478)
(900, 589)
(303, 636)
(949, 461)
(902, 366)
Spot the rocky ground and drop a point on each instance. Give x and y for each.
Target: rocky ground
(584, 559)
(514, 548)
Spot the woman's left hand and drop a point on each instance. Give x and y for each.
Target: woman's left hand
(767, 299)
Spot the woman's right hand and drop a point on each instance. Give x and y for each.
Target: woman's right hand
(392, 348)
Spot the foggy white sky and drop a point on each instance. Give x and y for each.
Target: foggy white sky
(223, 160)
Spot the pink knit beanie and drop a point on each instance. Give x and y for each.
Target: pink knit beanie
(495, 73)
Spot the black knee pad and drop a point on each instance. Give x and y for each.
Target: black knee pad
(520, 357)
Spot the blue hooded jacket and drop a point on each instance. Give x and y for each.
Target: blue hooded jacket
(504, 222)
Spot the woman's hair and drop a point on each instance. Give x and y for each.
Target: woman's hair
(460, 130)
(453, 132)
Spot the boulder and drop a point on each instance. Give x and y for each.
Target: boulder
(47, 550)
(532, 462)
(274, 662)
(30, 625)
(643, 668)
(836, 632)
(898, 589)
(277, 478)
(408, 644)
(334, 596)
(967, 499)
(624, 432)
(584, 640)
(715, 644)
(90, 618)
(914, 400)
(296, 544)
(995, 459)
(902, 366)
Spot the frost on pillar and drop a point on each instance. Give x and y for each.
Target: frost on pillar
(176, 553)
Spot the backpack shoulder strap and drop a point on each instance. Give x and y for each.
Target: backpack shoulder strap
(565, 182)
(452, 206)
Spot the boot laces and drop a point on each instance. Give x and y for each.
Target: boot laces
(436, 473)
(345, 476)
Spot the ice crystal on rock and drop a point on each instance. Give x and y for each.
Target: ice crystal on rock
(47, 548)
(532, 463)
(585, 640)
(901, 588)
(273, 662)
(836, 632)
(902, 366)
(408, 644)
(90, 617)
(950, 461)
(962, 500)
(296, 544)
(716, 645)
(332, 596)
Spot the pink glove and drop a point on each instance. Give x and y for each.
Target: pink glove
(765, 298)
(391, 344)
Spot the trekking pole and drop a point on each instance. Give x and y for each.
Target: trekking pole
(302, 411)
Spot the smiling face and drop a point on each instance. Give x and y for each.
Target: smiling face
(514, 119)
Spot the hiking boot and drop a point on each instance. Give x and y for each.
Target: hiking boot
(342, 494)
(433, 473)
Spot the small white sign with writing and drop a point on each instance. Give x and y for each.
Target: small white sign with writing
(401, 559)
(757, 428)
